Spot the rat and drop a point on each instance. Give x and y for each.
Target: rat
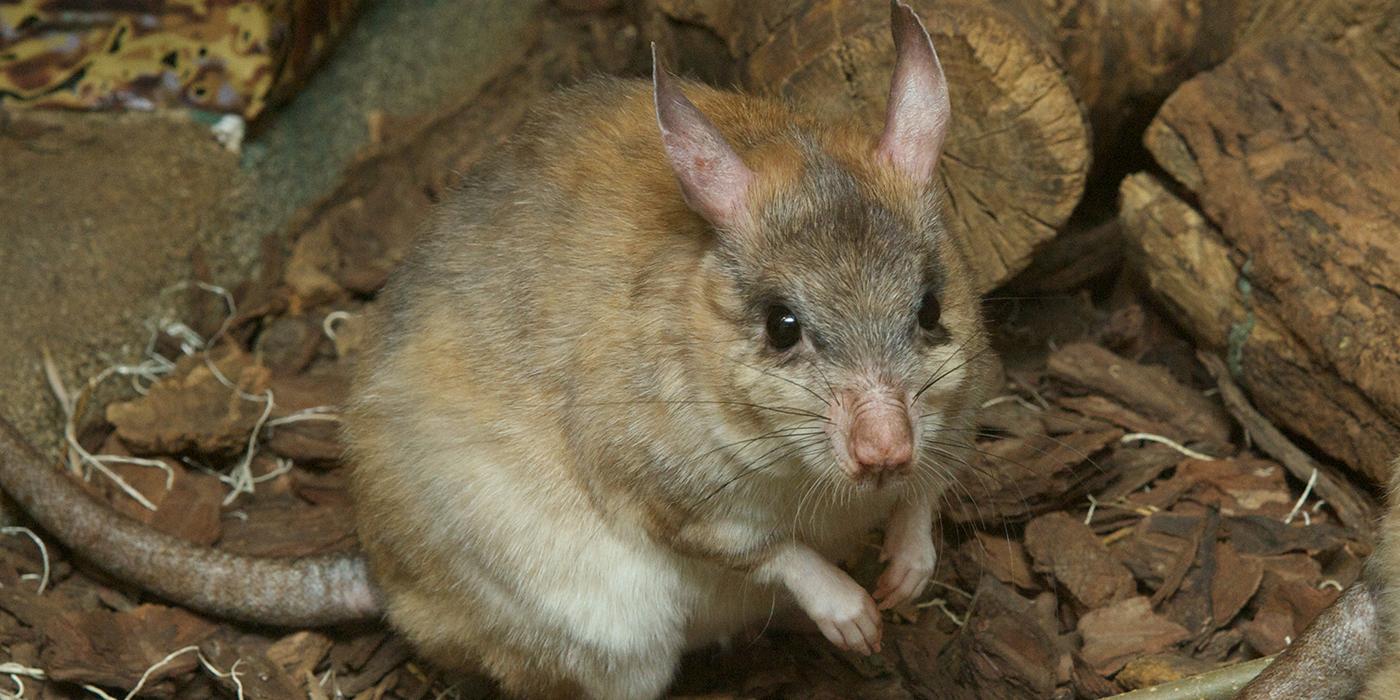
(651, 372)
(1352, 648)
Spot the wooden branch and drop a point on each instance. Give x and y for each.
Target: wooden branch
(1220, 684)
(1354, 509)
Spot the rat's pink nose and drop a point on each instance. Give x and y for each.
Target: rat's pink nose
(881, 439)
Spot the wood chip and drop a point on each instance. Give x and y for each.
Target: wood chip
(1126, 629)
(1151, 391)
(1353, 507)
(299, 653)
(1023, 476)
(1001, 651)
(1000, 556)
(113, 650)
(191, 411)
(1067, 549)
(285, 527)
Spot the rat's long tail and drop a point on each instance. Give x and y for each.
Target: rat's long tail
(303, 592)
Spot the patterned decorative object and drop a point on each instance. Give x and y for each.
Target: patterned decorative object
(230, 56)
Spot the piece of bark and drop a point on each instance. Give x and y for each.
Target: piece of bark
(1135, 468)
(1125, 332)
(1105, 409)
(1283, 609)
(113, 650)
(1343, 567)
(189, 509)
(1000, 556)
(1078, 256)
(1149, 390)
(1155, 669)
(1017, 149)
(1001, 652)
(299, 653)
(1199, 553)
(1193, 603)
(1237, 486)
(1296, 566)
(282, 526)
(1237, 578)
(1011, 418)
(1221, 644)
(1088, 682)
(1151, 556)
(1269, 631)
(288, 344)
(312, 442)
(1126, 629)
(192, 411)
(1252, 534)
(1303, 602)
(321, 488)
(353, 653)
(1288, 268)
(258, 677)
(1067, 549)
(1020, 477)
(388, 656)
(1353, 507)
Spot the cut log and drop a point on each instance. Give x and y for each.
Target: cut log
(1286, 258)
(1017, 151)
(1127, 56)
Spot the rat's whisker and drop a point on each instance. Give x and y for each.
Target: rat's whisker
(938, 376)
(1073, 450)
(765, 372)
(785, 410)
(753, 469)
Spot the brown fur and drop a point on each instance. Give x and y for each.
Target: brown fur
(1382, 577)
(570, 327)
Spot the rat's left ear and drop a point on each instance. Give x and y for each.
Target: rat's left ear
(916, 119)
(714, 180)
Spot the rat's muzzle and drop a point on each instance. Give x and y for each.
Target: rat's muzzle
(880, 438)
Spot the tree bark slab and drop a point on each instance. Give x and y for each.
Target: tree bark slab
(1127, 56)
(1277, 242)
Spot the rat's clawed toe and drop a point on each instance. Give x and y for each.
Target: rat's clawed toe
(910, 555)
(905, 578)
(853, 625)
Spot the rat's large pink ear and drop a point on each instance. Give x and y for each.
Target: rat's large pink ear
(916, 119)
(714, 180)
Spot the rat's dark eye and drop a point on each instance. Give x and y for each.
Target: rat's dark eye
(783, 329)
(929, 312)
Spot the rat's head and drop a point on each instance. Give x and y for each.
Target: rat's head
(858, 333)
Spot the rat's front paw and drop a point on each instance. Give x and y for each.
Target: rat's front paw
(843, 611)
(911, 556)
(849, 619)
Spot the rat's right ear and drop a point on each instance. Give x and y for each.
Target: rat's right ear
(714, 180)
(916, 119)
